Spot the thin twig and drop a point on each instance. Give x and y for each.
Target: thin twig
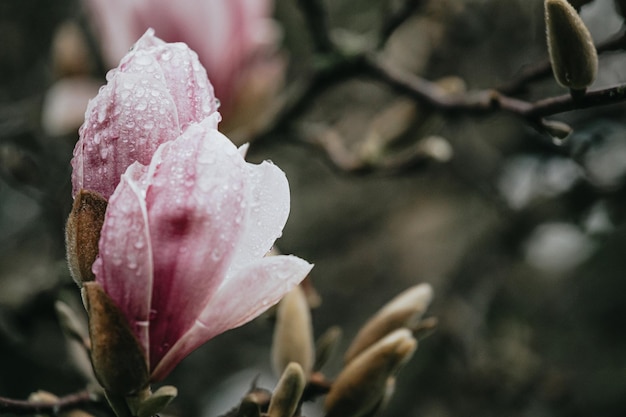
(69, 402)
(489, 101)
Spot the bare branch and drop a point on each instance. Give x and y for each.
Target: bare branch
(69, 402)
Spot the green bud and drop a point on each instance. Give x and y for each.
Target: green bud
(286, 396)
(557, 129)
(325, 346)
(71, 325)
(573, 56)
(363, 385)
(156, 402)
(404, 310)
(293, 333)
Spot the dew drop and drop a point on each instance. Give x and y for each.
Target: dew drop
(216, 254)
(143, 59)
(142, 105)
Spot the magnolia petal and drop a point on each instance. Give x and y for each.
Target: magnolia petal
(155, 93)
(179, 68)
(125, 251)
(267, 209)
(194, 204)
(249, 293)
(125, 123)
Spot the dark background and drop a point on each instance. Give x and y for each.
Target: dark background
(522, 240)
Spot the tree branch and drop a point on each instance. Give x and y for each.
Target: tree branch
(69, 402)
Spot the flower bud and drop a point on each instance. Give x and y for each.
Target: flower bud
(118, 360)
(325, 346)
(572, 53)
(256, 400)
(402, 311)
(71, 325)
(82, 234)
(293, 334)
(156, 402)
(556, 128)
(363, 384)
(286, 396)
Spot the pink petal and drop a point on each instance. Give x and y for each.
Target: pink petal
(124, 266)
(267, 209)
(157, 91)
(178, 67)
(194, 204)
(125, 123)
(248, 293)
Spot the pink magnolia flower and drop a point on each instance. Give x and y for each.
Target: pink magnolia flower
(154, 94)
(188, 225)
(183, 245)
(235, 39)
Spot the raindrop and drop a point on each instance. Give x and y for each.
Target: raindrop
(143, 59)
(142, 105)
(216, 254)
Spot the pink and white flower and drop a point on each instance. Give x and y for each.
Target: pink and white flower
(182, 250)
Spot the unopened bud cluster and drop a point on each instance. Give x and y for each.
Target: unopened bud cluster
(380, 349)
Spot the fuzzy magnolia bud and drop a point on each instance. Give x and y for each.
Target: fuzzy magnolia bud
(154, 403)
(72, 326)
(82, 234)
(556, 128)
(405, 310)
(325, 346)
(363, 384)
(289, 389)
(118, 360)
(293, 334)
(573, 56)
